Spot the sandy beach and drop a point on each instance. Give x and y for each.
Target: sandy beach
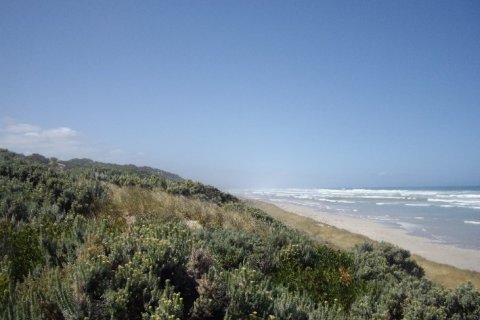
(441, 253)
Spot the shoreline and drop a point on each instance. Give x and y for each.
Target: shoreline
(468, 259)
(446, 265)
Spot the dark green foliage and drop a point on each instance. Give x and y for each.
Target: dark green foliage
(383, 261)
(120, 175)
(20, 249)
(323, 274)
(230, 248)
(249, 294)
(463, 303)
(48, 296)
(32, 190)
(395, 289)
(203, 192)
(110, 171)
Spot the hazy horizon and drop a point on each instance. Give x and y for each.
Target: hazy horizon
(249, 94)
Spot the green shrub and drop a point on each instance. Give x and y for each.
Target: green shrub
(248, 294)
(294, 306)
(47, 297)
(229, 247)
(131, 275)
(378, 260)
(463, 302)
(20, 246)
(170, 305)
(200, 191)
(321, 273)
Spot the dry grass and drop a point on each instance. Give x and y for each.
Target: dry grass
(447, 275)
(444, 275)
(132, 202)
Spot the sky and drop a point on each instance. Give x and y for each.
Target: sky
(248, 94)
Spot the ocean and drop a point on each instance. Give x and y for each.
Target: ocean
(444, 215)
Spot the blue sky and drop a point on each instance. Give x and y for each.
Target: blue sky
(249, 93)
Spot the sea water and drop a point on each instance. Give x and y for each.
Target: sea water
(445, 215)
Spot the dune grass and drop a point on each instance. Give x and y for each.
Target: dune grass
(445, 275)
(132, 203)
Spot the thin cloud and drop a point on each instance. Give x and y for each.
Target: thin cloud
(62, 142)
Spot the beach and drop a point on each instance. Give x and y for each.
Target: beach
(444, 264)
(468, 259)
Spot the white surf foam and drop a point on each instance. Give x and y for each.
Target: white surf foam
(418, 204)
(471, 222)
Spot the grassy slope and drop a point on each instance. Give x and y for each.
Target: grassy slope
(445, 275)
